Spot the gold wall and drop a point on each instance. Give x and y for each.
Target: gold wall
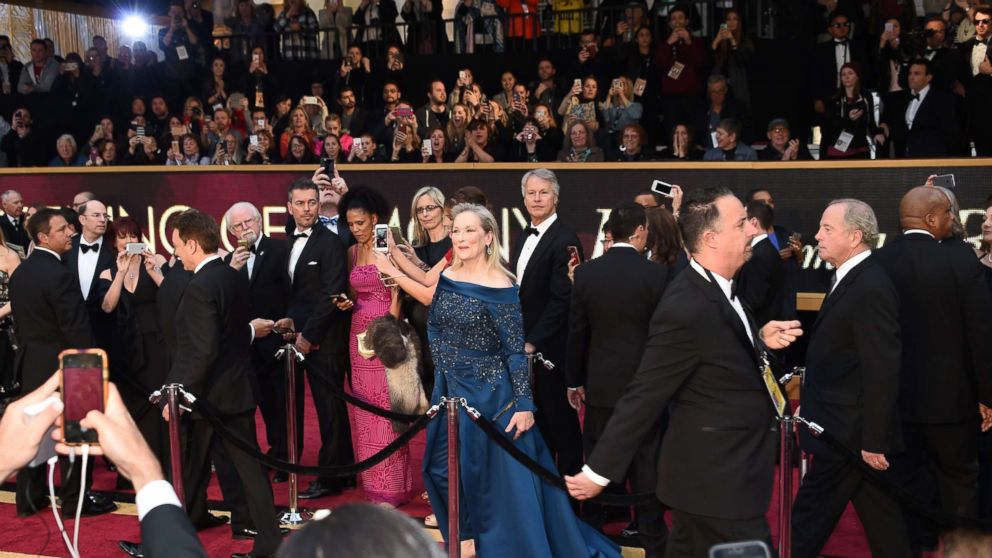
(71, 32)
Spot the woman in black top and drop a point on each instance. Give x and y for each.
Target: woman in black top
(850, 119)
(682, 146)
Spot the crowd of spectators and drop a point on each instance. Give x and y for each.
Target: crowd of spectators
(639, 84)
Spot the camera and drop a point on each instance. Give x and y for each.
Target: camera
(196, 111)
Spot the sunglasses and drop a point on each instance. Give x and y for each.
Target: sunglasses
(982, 22)
(841, 24)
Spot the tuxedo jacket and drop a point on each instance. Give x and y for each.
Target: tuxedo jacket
(944, 306)
(717, 457)
(213, 339)
(935, 126)
(762, 283)
(166, 531)
(978, 87)
(851, 384)
(545, 291)
(15, 235)
(321, 271)
(268, 288)
(613, 299)
(946, 67)
(103, 324)
(825, 69)
(167, 298)
(50, 316)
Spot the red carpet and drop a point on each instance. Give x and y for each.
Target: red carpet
(98, 537)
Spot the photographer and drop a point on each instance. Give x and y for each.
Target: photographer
(531, 146)
(406, 145)
(365, 150)
(142, 150)
(519, 108)
(580, 105)
(298, 27)
(187, 154)
(893, 60)
(183, 52)
(355, 74)
(264, 152)
(228, 151)
(435, 147)
(23, 146)
(620, 109)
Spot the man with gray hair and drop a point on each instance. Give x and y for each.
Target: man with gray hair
(540, 260)
(851, 389)
(12, 223)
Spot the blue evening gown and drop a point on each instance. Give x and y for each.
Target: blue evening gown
(477, 340)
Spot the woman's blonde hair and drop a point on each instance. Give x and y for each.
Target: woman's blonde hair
(420, 236)
(493, 258)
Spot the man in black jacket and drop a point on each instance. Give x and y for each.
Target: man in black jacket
(977, 81)
(922, 121)
(850, 389)
(703, 362)
(90, 255)
(946, 380)
(51, 317)
(12, 223)
(762, 279)
(212, 362)
(828, 58)
(318, 268)
(612, 302)
(540, 260)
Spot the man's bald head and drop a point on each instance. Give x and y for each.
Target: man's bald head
(928, 209)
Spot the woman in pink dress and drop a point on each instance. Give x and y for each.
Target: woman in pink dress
(391, 481)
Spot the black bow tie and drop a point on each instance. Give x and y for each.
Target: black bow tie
(298, 236)
(532, 230)
(253, 249)
(915, 96)
(930, 50)
(87, 247)
(840, 42)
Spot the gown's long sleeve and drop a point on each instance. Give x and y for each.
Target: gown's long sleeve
(510, 328)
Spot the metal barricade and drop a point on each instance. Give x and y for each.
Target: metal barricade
(295, 515)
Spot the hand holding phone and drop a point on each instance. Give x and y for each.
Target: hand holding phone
(84, 377)
(573, 255)
(662, 188)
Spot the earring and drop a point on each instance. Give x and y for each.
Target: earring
(489, 249)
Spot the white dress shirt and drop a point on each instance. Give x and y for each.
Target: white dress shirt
(914, 106)
(842, 55)
(978, 53)
(154, 494)
(332, 224)
(298, 244)
(725, 286)
(918, 231)
(251, 257)
(86, 265)
(847, 266)
(530, 243)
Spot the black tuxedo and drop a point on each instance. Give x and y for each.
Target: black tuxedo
(979, 91)
(103, 324)
(850, 389)
(322, 271)
(167, 298)
(762, 283)
(15, 235)
(935, 125)
(612, 301)
(212, 362)
(50, 317)
(946, 360)
(545, 294)
(945, 64)
(268, 287)
(717, 460)
(166, 531)
(825, 70)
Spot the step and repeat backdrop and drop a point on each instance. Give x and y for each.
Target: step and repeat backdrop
(800, 191)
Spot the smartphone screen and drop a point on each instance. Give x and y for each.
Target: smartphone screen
(380, 237)
(573, 254)
(944, 181)
(83, 390)
(662, 188)
(328, 165)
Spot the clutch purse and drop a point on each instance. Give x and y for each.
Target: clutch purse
(363, 349)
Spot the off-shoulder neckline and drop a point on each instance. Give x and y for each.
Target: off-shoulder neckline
(499, 295)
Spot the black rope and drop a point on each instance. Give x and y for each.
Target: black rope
(907, 499)
(551, 478)
(339, 392)
(342, 471)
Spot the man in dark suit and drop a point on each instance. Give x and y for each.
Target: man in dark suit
(703, 364)
(317, 267)
(12, 223)
(762, 279)
(261, 263)
(850, 389)
(89, 257)
(945, 61)
(612, 302)
(977, 81)
(946, 380)
(828, 58)
(540, 260)
(921, 121)
(50, 318)
(212, 363)
(331, 189)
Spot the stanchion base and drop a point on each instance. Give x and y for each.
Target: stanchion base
(295, 518)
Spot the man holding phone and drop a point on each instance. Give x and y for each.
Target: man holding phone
(89, 257)
(51, 317)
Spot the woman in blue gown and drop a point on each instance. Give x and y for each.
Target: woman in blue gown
(476, 337)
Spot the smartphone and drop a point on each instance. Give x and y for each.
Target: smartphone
(357, 143)
(261, 122)
(889, 27)
(98, 129)
(83, 378)
(723, 26)
(746, 549)
(944, 181)
(577, 83)
(309, 100)
(175, 146)
(573, 255)
(616, 83)
(661, 188)
(254, 58)
(516, 97)
(243, 243)
(328, 165)
(404, 112)
(139, 131)
(208, 118)
(218, 107)
(381, 244)
(94, 154)
(135, 247)
(397, 235)
(340, 297)
(427, 148)
(461, 75)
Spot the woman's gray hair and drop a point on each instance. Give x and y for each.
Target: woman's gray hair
(859, 216)
(545, 175)
(68, 138)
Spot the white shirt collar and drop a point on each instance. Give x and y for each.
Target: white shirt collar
(43, 249)
(205, 261)
(757, 239)
(258, 240)
(918, 231)
(850, 264)
(306, 230)
(545, 225)
(923, 93)
(721, 281)
(622, 245)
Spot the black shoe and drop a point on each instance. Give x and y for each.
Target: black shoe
(280, 477)
(211, 521)
(93, 504)
(631, 530)
(249, 533)
(132, 549)
(34, 507)
(318, 489)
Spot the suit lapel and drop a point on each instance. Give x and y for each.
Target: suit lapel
(839, 291)
(259, 254)
(307, 248)
(542, 246)
(727, 312)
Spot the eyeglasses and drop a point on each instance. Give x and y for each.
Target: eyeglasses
(242, 225)
(427, 209)
(97, 216)
(841, 24)
(982, 22)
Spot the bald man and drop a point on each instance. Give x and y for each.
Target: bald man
(946, 379)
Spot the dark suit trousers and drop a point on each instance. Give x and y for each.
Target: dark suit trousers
(692, 535)
(269, 385)
(643, 477)
(32, 484)
(332, 411)
(557, 420)
(255, 485)
(830, 484)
